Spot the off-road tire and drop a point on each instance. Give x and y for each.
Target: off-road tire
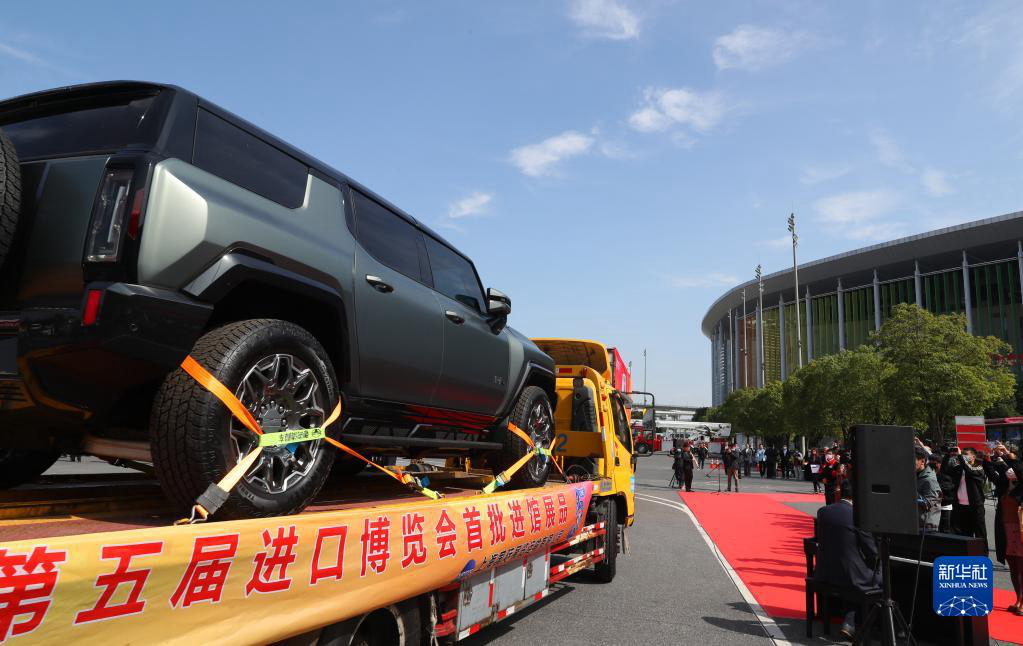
(514, 447)
(605, 570)
(643, 449)
(189, 426)
(20, 466)
(10, 195)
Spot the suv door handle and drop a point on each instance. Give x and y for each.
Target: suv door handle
(454, 317)
(378, 284)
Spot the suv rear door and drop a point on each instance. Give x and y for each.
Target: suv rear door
(475, 373)
(398, 317)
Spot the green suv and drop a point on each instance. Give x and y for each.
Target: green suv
(140, 224)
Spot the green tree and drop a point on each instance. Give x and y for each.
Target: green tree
(701, 414)
(737, 410)
(767, 411)
(835, 392)
(939, 370)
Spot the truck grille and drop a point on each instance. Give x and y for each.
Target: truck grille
(12, 393)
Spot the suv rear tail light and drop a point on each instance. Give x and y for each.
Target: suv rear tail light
(92, 302)
(108, 219)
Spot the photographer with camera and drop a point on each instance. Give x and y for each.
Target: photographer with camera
(1005, 472)
(948, 493)
(928, 493)
(968, 505)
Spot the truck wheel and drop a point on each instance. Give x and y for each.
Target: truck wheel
(19, 466)
(532, 414)
(605, 570)
(643, 449)
(283, 376)
(10, 196)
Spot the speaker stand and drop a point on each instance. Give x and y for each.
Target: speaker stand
(884, 612)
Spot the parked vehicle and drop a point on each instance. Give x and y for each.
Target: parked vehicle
(141, 224)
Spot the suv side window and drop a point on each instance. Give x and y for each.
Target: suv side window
(390, 238)
(454, 276)
(230, 153)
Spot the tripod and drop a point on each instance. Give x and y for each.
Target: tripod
(884, 611)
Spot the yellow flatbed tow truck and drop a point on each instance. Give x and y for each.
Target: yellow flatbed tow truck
(98, 560)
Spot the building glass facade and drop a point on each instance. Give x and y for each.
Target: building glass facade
(859, 316)
(990, 294)
(791, 342)
(995, 292)
(943, 292)
(825, 325)
(772, 346)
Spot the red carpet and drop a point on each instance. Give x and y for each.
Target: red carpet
(762, 539)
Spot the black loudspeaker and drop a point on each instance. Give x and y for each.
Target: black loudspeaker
(884, 477)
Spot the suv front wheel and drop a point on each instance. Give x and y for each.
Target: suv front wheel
(532, 414)
(283, 376)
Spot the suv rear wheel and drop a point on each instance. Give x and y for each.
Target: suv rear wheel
(280, 373)
(532, 414)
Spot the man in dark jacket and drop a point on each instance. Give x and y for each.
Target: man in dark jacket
(948, 492)
(770, 461)
(730, 461)
(847, 556)
(968, 505)
(685, 463)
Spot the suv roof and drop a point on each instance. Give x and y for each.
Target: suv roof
(14, 108)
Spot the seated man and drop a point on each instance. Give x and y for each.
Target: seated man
(847, 556)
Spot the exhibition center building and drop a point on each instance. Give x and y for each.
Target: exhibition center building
(975, 269)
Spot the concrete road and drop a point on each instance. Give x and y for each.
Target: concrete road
(669, 590)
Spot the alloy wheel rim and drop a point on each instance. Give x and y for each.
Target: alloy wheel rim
(539, 425)
(283, 394)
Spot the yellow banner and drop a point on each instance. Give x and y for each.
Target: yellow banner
(263, 580)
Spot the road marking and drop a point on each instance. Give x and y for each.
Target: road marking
(774, 632)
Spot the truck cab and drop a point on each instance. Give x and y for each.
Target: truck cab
(593, 437)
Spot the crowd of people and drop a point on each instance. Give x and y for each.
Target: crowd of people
(953, 487)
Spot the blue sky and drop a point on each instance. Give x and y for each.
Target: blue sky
(613, 165)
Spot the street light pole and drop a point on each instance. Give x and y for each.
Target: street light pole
(644, 368)
(760, 320)
(795, 274)
(745, 350)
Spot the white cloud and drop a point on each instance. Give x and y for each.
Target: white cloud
(887, 151)
(753, 48)
(778, 243)
(935, 182)
(539, 159)
(475, 203)
(818, 174)
(604, 19)
(860, 215)
(996, 37)
(666, 108)
(705, 280)
(28, 57)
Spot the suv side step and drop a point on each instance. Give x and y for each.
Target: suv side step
(386, 441)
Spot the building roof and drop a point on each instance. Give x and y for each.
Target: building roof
(987, 239)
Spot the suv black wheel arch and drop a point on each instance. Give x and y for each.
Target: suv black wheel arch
(250, 283)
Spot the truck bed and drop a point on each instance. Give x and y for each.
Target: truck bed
(97, 559)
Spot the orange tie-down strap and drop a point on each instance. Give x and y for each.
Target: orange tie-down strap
(216, 495)
(502, 478)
